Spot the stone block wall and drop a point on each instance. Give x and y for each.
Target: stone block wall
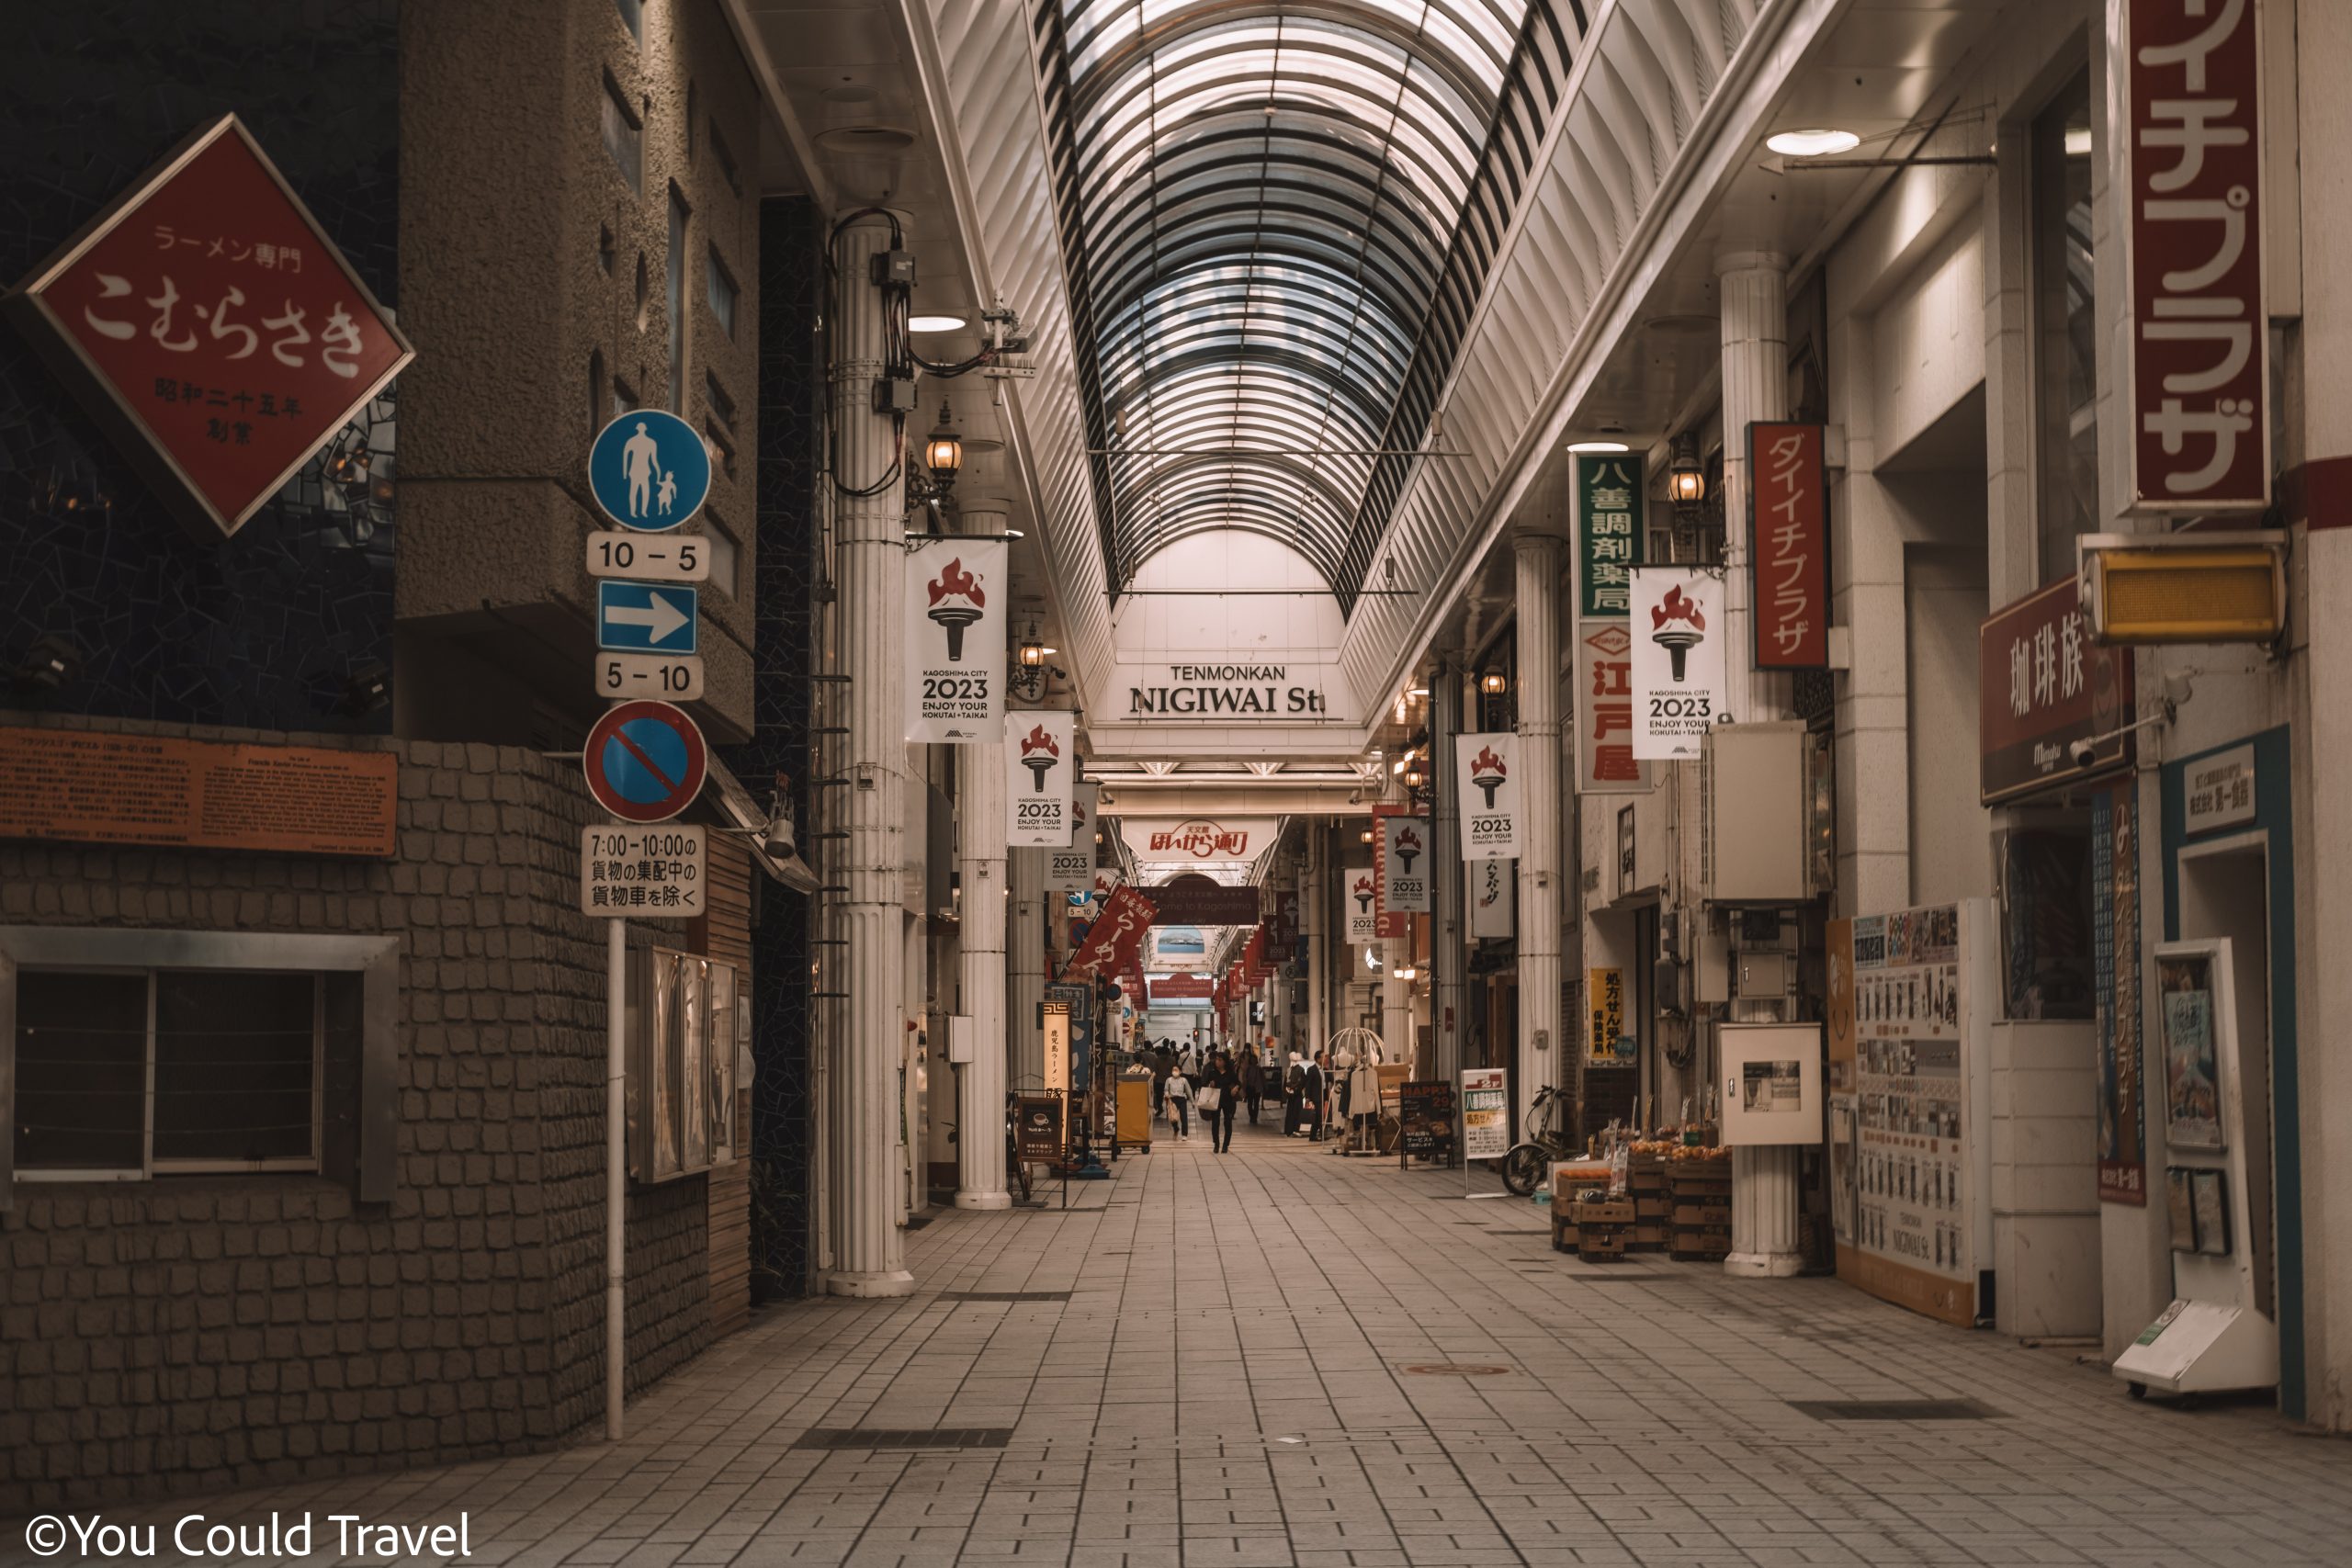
(203, 1332)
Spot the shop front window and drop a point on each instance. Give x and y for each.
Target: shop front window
(2065, 329)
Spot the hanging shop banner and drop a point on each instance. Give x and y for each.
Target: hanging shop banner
(1194, 900)
(1115, 941)
(1490, 891)
(2115, 967)
(1486, 1112)
(1085, 802)
(1404, 866)
(1789, 543)
(1040, 755)
(1390, 922)
(1191, 841)
(212, 328)
(955, 641)
(1069, 871)
(1281, 924)
(1609, 532)
(1605, 998)
(1487, 767)
(1360, 892)
(1603, 711)
(1678, 673)
(2042, 686)
(2198, 348)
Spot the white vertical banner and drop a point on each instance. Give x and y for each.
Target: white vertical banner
(1040, 756)
(955, 639)
(1362, 894)
(1070, 871)
(1085, 800)
(1488, 769)
(1491, 889)
(1679, 672)
(1405, 861)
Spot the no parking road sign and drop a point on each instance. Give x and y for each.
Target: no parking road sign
(645, 762)
(648, 470)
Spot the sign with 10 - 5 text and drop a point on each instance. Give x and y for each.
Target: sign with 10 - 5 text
(652, 870)
(955, 641)
(1486, 1112)
(1486, 766)
(1040, 755)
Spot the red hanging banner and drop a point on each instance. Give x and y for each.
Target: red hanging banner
(1789, 544)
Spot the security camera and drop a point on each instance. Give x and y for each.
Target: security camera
(2082, 751)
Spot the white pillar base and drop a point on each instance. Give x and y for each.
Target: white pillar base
(1763, 1214)
(984, 1200)
(886, 1282)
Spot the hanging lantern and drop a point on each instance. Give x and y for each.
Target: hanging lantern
(1686, 482)
(943, 452)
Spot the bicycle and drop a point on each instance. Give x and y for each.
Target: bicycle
(1528, 1163)
(1016, 1172)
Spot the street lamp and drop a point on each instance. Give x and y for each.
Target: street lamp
(943, 452)
(1686, 483)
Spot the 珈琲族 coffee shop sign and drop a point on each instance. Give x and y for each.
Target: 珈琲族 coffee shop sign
(1229, 691)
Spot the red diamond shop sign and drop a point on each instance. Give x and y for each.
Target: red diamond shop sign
(209, 323)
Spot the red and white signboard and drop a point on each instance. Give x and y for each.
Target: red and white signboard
(1487, 771)
(208, 321)
(1789, 542)
(1040, 756)
(2200, 426)
(1604, 711)
(1115, 939)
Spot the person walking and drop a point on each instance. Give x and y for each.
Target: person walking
(1294, 1093)
(1163, 1061)
(1220, 1086)
(1317, 1082)
(1253, 1082)
(1180, 1106)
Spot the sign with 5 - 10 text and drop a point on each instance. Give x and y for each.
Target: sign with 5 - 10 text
(672, 677)
(654, 870)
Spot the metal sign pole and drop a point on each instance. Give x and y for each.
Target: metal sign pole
(615, 1173)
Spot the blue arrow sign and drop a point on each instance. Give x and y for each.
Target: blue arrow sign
(648, 470)
(644, 617)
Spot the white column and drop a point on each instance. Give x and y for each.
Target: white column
(1539, 559)
(1754, 290)
(1024, 960)
(1447, 879)
(980, 805)
(868, 1257)
(1314, 918)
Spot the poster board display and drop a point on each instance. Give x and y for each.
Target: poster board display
(1911, 997)
(1486, 1112)
(1770, 1083)
(1425, 1112)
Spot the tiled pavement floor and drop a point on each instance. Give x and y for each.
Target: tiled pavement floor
(1231, 1383)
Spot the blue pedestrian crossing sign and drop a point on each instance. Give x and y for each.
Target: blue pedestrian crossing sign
(646, 617)
(648, 470)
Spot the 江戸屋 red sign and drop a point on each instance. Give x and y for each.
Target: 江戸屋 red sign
(2199, 379)
(209, 321)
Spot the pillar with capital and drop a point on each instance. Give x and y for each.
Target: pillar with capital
(980, 832)
(1539, 556)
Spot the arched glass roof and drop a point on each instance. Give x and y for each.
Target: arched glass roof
(1265, 206)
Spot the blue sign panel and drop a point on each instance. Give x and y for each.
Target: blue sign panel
(648, 470)
(646, 617)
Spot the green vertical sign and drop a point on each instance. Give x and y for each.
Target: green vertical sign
(1609, 532)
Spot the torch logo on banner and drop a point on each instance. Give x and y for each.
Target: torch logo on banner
(1487, 771)
(1678, 639)
(1363, 895)
(956, 603)
(1039, 752)
(1409, 848)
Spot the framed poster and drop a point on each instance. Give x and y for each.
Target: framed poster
(2189, 993)
(2179, 1209)
(1486, 1112)
(2207, 1193)
(1772, 1083)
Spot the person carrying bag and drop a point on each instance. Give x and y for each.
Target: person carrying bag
(1180, 1100)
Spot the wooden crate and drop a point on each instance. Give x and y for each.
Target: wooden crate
(1600, 1243)
(1612, 1212)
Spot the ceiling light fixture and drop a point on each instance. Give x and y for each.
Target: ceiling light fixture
(1814, 142)
(936, 323)
(1599, 447)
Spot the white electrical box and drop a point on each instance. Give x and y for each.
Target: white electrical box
(959, 1038)
(1764, 973)
(1757, 813)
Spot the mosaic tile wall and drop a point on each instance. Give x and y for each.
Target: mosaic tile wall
(786, 576)
(267, 631)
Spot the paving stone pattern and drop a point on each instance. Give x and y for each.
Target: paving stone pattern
(1226, 1385)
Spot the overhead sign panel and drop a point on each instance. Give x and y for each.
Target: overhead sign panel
(209, 323)
(1789, 543)
(955, 641)
(1199, 902)
(648, 470)
(1184, 840)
